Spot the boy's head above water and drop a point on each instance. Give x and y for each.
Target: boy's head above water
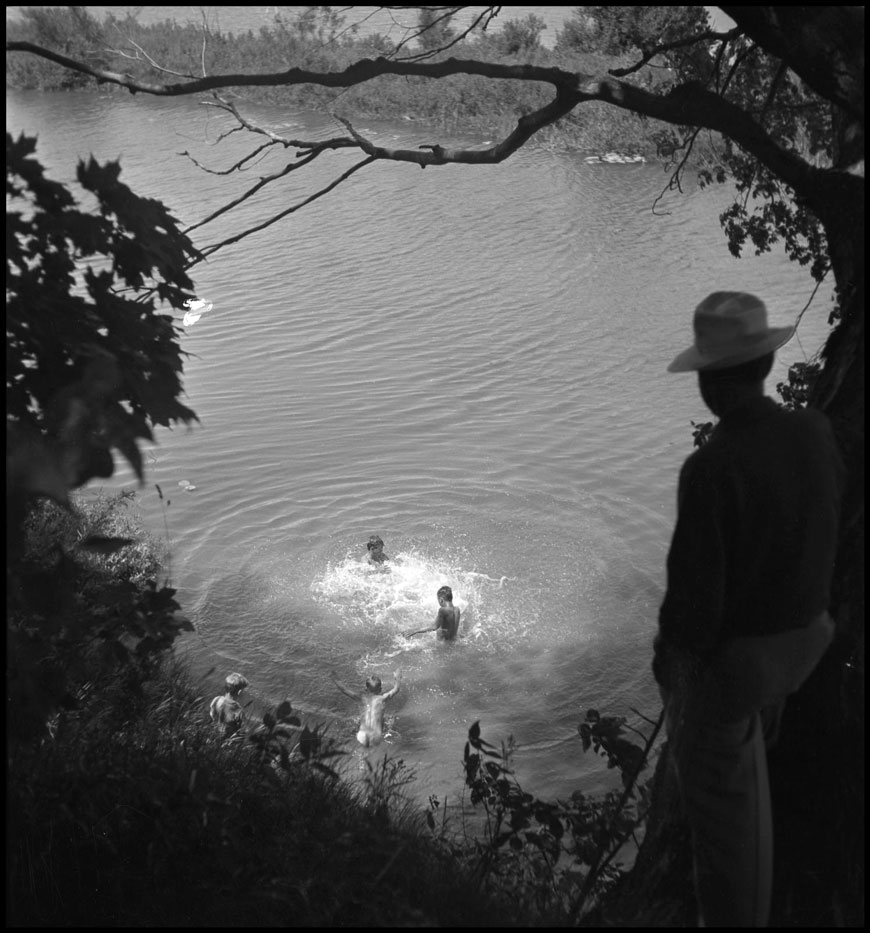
(445, 593)
(373, 684)
(235, 683)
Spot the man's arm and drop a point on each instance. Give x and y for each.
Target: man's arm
(345, 690)
(690, 617)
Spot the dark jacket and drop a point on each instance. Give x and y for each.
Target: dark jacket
(755, 539)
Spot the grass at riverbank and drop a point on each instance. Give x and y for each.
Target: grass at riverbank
(135, 812)
(126, 806)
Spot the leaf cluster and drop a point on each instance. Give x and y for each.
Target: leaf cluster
(556, 856)
(82, 600)
(91, 364)
(283, 741)
(796, 392)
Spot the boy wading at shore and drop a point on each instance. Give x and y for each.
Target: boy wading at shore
(371, 726)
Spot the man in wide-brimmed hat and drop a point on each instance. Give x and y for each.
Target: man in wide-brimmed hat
(744, 620)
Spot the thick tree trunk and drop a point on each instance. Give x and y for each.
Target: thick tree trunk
(817, 770)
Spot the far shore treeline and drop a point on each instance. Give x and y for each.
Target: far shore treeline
(319, 38)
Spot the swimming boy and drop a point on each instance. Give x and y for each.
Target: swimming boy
(446, 623)
(226, 709)
(371, 726)
(376, 554)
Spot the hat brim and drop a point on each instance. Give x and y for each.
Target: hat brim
(693, 359)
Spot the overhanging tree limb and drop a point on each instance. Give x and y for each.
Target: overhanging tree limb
(688, 104)
(821, 46)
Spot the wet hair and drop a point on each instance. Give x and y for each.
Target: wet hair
(374, 541)
(373, 684)
(445, 593)
(235, 683)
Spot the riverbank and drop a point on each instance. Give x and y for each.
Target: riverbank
(128, 806)
(136, 812)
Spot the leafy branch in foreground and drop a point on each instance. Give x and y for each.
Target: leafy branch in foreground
(555, 858)
(91, 368)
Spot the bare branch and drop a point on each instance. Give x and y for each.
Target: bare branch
(211, 250)
(239, 166)
(266, 180)
(487, 14)
(687, 104)
(305, 146)
(709, 36)
(363, 70)
(142, 55)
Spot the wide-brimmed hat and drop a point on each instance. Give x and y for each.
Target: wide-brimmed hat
(730, 328)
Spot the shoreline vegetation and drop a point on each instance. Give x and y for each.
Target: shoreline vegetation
(319, 39)
(129, 807)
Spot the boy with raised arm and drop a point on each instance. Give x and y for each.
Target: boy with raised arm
(446, 623)
(371, 726)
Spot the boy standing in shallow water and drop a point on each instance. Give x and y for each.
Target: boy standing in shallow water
(447, 621)
(226, 709)
(371, 726)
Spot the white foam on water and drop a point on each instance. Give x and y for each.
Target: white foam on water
(401, 595)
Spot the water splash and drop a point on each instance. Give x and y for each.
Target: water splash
(401, 594)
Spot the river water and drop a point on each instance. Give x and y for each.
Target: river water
(468, 361)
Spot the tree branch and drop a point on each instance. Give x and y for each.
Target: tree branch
(819, 43)
(687, 104)
(210, 250)
(650, 54)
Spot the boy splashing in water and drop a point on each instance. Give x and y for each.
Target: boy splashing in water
(447, 621)
(371, 726)
(375, 548)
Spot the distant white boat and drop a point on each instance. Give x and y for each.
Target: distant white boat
(614, 158)
(196, 307)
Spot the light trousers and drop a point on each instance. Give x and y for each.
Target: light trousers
(720, 726)
(722, 773)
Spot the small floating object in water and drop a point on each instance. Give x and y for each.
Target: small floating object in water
(186, 485)
(615, 158)
(196, 307)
